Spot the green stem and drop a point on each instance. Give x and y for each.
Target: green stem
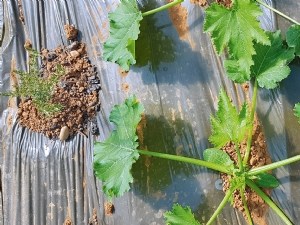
(278, 12)
(242, 193)
(164, 7)
(220, 207)
(266, 198)
(272, 166)
(250, 130)
(197, 162)
(238, 152)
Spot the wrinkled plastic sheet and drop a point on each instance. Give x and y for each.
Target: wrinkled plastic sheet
(46, 182)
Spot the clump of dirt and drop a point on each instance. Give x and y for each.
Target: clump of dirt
(226, 3)
(68, 221)
(258, 157)
(125, 87)
(21, 13)
(71, 32)
(199, 2)
(109, 208)
(94, 219)
(77, 91)
(178, 15)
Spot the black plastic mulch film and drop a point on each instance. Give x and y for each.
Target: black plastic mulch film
(178, 80)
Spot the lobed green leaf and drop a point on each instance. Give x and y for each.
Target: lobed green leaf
(219, 157)
(271, 62)
(113, 158)
(236, 27)
(228, 125)
(124, 31)
(266, 180)
(180, 216)
(297, 111)
(293, 38)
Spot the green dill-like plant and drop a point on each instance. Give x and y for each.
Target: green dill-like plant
(254, 56)
(37, 88)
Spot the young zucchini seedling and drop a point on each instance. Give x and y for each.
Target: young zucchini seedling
(113, 158)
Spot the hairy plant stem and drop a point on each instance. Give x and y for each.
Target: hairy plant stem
(221, 206)
(247, 211)
(272, 166)
(278, 12)
(250, 130)
(164, 7)
(197, 162)
(240, 161)
(266, 198)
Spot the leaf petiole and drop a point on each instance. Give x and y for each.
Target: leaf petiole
(198, 162)
(272, 166)
(278, 12)
(164, 7)
(221, 206)
(238, 152)
(250, 130)
(242, 193)
(266, 198)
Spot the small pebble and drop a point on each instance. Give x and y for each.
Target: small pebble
(64, 133)
(74, 54)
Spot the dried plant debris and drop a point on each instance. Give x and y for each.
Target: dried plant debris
(259, 157)
(77, 92)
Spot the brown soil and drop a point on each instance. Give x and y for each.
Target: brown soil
(178, 15)
(109, 208)
(123, 73)
(68, 221)
(199, 2)
(77, 92)
(226, 3)
(258, 157)
(21, 14)
(125, 87)
(94, 219)
(71, 32)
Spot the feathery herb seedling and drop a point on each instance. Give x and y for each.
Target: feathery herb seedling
(39, 89)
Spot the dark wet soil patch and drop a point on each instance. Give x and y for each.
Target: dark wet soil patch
(259, 157)
(77, 91)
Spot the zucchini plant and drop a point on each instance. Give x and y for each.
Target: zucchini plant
(254, 55)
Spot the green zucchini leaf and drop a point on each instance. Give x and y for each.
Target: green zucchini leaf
(113, 158)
